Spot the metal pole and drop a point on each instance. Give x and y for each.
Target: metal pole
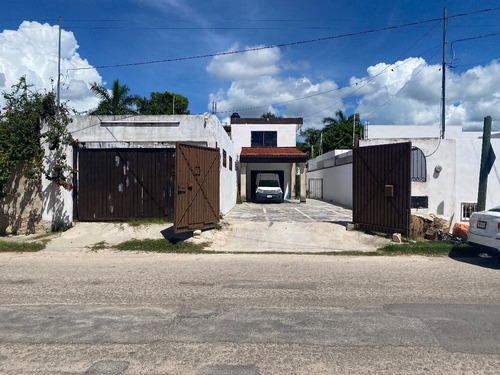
(483, 171)
(353, 129)
(443, 79)
(59, 70)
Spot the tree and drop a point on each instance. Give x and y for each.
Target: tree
(268, 115)
(163, 103)
(21, 136)
(337, 133)
(311, 138)
(118, 102)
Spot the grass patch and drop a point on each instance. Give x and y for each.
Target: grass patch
(20, 247)
(99, 246)
(165, 246)
(139, 222)
(437, 248)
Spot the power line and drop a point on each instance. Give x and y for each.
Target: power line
(284, 44)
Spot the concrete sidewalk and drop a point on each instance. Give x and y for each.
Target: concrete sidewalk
(310, 227)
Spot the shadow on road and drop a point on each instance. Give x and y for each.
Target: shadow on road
(475, 257)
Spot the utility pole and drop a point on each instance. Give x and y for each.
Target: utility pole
(443, 78)
(487, 160)
(59, 69)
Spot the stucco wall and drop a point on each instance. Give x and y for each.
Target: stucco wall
(241, 134)
(141, 131)
(458, 180)
(337, 183)
(21, 209)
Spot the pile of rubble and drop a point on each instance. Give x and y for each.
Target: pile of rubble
(428, 227)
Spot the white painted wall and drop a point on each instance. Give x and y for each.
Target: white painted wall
(241, 134)
(337, 183)
(285, 167)
(439, 187)
(142, 131)
(458, 181)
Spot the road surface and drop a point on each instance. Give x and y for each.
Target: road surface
(136, 313)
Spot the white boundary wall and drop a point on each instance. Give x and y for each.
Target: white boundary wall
(142, 132)
(337, 179)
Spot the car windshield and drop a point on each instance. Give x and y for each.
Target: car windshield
(269, 183)
(495, 209)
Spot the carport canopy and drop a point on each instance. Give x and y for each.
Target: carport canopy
(274, 155)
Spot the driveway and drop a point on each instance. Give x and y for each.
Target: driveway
(314, 226)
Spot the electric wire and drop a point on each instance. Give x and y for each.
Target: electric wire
(280, 45)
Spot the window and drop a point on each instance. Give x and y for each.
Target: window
(418, 165)
(419, 202)
(467, 210)
(264, 139)
(230, 163)
(224, 157)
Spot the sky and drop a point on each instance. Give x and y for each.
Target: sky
(381, 59)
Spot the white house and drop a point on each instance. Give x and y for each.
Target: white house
(265, 145)
(146, 132)
(445, 172)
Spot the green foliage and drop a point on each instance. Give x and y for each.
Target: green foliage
(118, 102)
(163, 103)
(20, 247)
(164, 246)
(21, 136)
(337, 133)
(311, 138)
(268, 115)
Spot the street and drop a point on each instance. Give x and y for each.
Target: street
(136, 313)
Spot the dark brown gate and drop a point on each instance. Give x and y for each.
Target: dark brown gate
(121, 184)
(382, 188)
(196, 187)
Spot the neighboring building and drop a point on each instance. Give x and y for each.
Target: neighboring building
(142, 132)
(268, 145)
(445, 172)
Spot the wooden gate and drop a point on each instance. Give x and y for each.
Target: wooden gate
(197, 197)
(382, 188)
(121, 184)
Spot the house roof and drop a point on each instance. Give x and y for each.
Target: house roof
(272, 154)
(284, 121)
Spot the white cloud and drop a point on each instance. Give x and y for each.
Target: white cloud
(32, 51)
(407, 92)
(259, 87)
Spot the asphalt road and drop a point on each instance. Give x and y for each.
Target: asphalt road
(127, 313)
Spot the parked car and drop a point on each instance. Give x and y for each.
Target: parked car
(484, 230)
(268, 187)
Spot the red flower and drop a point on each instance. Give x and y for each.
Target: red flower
(70, 187)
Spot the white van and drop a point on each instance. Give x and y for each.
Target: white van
(268, 187)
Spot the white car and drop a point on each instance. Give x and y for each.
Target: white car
(484, 229)
(268, 187)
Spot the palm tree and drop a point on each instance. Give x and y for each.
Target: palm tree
(341, 119)
(118, 102)
(311, 137)
(338, 132)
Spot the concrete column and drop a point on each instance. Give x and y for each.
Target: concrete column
(292, 181)
(243, 182)
(303, 182)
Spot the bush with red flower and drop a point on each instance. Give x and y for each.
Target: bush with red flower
(29, 120)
